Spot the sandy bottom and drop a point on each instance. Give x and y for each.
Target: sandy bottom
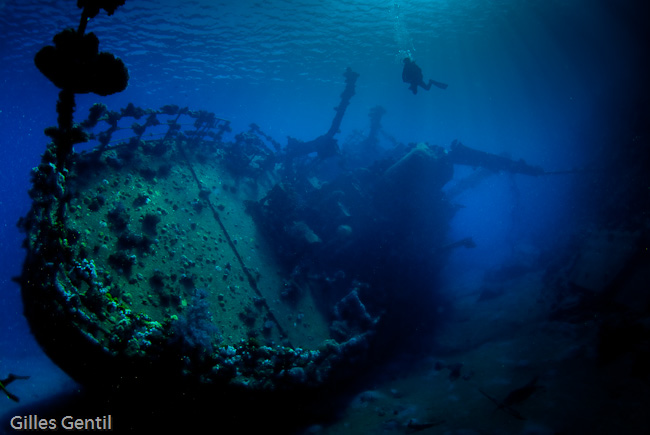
(502, 343)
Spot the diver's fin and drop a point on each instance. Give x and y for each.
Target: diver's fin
(8, 394)
(8, 381)
(12, 396)
(11, 377)
(438, 84)
(18, 377)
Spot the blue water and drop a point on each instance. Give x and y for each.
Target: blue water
(548, 81)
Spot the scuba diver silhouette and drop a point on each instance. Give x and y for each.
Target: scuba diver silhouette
(413, 74)
(9, 380)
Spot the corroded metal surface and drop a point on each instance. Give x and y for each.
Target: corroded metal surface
(142, 254)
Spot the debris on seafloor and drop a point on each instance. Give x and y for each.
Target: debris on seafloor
(516, 397)
(454, 370)
(415, 426)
